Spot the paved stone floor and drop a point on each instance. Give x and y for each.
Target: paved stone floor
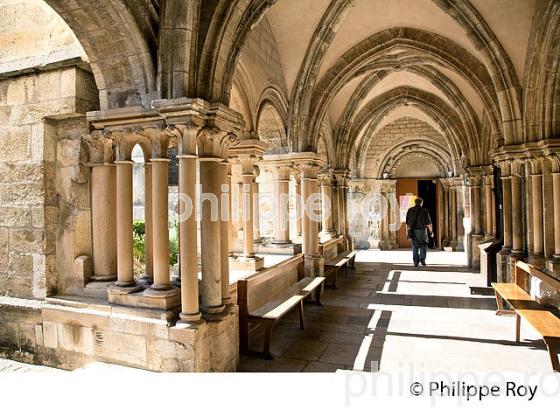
(399, 316)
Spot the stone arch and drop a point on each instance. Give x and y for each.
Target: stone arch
(542, 75)
(428, 48)
(424, 159)
(120, 56)
(242, 92)
(376, 109)
(231, 23)
(271, 128)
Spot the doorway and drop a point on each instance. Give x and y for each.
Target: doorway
(407, 191)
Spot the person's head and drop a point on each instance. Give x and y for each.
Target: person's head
(419, 201)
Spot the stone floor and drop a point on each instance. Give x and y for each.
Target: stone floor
(389, 312)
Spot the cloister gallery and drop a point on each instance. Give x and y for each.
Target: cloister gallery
(177, 174)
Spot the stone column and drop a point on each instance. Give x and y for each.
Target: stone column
(125, 272)
(516, 215)
(225, 219)
(506, 189)
(537, 199)
(103, 215)
(188, 233)
(149, 243)
(211, 232)
(256, 208)
(488, 207)
(103, 206)
(281, 181)
(342, 183)
(160, 220)
(298, 205)
(445, 201)
(314, 264)
(453, 240)
(556, 189)
(326, 210)
(213, 146)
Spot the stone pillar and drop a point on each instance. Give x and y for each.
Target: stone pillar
(103, 215)
(211, 232)
(245, 156)
(453, 240)
(537, 217)
(188, 233)
(326, 209)
(298, 206)
(555, 265)
(213, 147)
(446, 209)
(256, 208)
(476, 237)
(342, 183)
(314, 264)
(148, 210)
(516, 215)
(225, 219)
(103, 206)
(488, 207)
(281, 182)
(125, 272)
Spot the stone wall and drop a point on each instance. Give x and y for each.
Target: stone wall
(33, 35)
(31, 107)
(395, 133)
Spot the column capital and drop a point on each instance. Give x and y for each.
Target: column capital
(554, 160)
(101, 149)
(309, 169)
(325, 177)
(247, 153)
(342, 177)
(214, 142)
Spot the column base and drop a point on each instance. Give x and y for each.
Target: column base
(502, 265)
(327, 235)
(553, 266)
(124, 288)
(451, 246)
(538, 261)
(276, 249)
(149, 298)
(246, 264)
(103, 278)
(314, 266)
(513, 258)
(189, 320)
(280, 244)
(474, 259)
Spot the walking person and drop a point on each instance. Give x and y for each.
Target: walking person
(419, 231)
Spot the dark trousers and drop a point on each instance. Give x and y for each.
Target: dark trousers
(420, 243)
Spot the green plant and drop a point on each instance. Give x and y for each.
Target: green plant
(139, 228)
(173, 241)
(139, 246)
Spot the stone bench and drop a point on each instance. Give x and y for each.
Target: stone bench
(267, 296)
(523, 305)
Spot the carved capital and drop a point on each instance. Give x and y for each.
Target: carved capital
(101, 148)
(215, 143)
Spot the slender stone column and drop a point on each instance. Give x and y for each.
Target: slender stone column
(506, 189)
(536, 184)
(256, 208)
(188, 233)
(310, 227)
(475, 206)
(488, 205)
(103, 214)
(225, 217)
(281, 181)
(247, 201)
(445, 227)
(516, 215)
(326, 211)
(342, 183)
(125, 272)
(148, 210)
(298, 206)
(160, 220)
(453, 216)
(556, 189)
(211, 232)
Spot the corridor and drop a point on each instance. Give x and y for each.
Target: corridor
(402, 318)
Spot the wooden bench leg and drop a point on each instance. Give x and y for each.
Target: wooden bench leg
(301, 314)
(318, 296)
(501, 310)
(552, 347)
(346, 271)
(517, 328)
(269, 326)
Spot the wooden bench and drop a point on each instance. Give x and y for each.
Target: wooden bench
(542, 319)
(332, 266)
(267, 296)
